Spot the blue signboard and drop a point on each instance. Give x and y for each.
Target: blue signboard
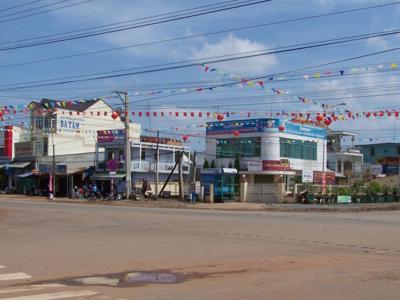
(243, 126)
(305, 130)
(264, 125)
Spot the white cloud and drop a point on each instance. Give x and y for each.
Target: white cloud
(231, 44)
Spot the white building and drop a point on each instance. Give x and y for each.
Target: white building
(345, 160)
(144, 154)
(70, 128)
(269, 150)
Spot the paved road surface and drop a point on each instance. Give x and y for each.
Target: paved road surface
(73, 251)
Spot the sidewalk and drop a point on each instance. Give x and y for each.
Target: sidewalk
(173, 203)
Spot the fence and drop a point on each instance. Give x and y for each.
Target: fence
(171, 189)
(267, 193)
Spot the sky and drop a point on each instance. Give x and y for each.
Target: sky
(362, 92)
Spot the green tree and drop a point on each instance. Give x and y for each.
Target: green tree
(212, 166)
(236, 164)
(206, 165)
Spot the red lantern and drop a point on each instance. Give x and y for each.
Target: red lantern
(281, 128)
(114, 115)
(1, 113)
(236, 133)
(185, 138)
(327, 122)
(320, 118)
(220, 117)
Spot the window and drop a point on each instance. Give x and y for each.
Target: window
(398, 150)
(143, 154)
(298, 149)
(372, 151)
(39, 124)
(239, 147)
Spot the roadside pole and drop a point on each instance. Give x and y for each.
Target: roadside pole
(128, 182)
(181, 193)
(157, 157)
(53, 127)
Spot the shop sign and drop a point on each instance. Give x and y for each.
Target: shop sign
(307, 177)
(112, 174)
(376, 169)
(276, 165)
(112, 165)
(23, 149)
(344, 199)
(48, 169)
(68, 123)
(328, 179)
(255, 166)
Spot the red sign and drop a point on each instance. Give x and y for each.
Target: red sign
(276, 165)
(328, 179)
(112, 165)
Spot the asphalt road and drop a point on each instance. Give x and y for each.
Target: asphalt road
(74, 251)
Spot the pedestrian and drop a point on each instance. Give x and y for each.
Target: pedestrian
(95, 191)
(145, 187)
(75, 193)
(85, 189)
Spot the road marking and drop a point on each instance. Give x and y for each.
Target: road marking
(35, 287)
(14, 276)
(52, 296)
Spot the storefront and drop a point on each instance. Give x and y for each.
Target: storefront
(269, 150)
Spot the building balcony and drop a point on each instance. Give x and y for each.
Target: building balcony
(146, 167)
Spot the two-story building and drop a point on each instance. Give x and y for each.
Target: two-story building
(145, 152)
(14, 141)
(381, 158)
(67, 129)
(269, 150)
(345, 160)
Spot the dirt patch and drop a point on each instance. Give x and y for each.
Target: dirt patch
(3, 212)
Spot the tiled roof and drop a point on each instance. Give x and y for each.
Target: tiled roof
(79, 105)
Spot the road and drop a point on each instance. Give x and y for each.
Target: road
(49, 250)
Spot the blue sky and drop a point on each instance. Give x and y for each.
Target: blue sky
(101, 12)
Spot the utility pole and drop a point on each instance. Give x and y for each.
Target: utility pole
(181, 193)
(194, 165)
(53, 126)
(127, 143)
(157, 157)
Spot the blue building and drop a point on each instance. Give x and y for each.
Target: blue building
(385, 154)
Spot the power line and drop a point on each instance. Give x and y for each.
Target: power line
(185, 37)
(195, 63)
(118, 23)
(156, 22)
(41, 12)
(21, 5)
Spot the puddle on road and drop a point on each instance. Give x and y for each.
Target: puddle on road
(140, 278)
(126, 279)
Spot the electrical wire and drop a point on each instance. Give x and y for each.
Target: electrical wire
(183, 37)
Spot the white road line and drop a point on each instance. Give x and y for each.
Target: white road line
(28, 288)
(53, 296)
(14, 276)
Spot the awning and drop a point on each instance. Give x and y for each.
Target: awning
(2, 166)
(25, 175)
(106, 176)
(267, 172)
(70, 167)
(19, 165)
